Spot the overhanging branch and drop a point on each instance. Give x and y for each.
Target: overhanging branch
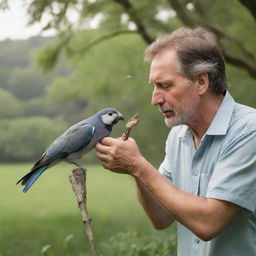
(250, 5)
(135, 18)
(241, 64)
(181, 13)
(101, 40)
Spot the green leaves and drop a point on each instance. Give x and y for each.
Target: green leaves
(131, 244)
(25, 139)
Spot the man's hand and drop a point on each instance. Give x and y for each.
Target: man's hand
(118, 155)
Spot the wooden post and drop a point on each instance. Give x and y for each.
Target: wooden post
(78, 182)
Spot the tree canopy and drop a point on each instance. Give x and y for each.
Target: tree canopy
(232, 21)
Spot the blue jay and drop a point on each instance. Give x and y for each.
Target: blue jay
(74, 143)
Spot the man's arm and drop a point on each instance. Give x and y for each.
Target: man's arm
(158, 215)
(204, 217)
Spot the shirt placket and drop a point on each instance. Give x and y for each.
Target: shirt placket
(196, 174)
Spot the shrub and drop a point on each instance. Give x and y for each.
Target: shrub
(131, 244)
(25, 139)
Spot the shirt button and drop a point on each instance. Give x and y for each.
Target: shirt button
(197, 240)
(194, 172)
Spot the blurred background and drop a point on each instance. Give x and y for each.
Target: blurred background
(63, 60)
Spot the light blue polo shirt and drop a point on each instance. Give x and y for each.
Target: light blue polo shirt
(223, 167)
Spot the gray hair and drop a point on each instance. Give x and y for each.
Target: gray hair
(198, 52)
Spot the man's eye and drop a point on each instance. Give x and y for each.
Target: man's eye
(166, 86)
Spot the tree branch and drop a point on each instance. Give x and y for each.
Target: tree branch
(101, 40)
(220, 34)
(241, 64)
(181, 13)
(135, 18)
(133, 121)
(250, 5)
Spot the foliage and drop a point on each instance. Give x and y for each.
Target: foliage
(26, 84)
(9, 105)
(26, 139)
(145, 18)
(48, 58)
(131, 244)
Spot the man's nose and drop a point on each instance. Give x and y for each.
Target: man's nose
(157, 97)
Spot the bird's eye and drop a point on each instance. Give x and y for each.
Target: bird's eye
(110, 113)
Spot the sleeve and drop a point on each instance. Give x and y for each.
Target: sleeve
(234, 176)
(165, 166)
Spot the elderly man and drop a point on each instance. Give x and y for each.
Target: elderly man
(207, 181)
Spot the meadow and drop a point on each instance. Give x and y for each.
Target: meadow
(47, 221)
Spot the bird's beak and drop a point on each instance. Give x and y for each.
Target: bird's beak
(120, 116)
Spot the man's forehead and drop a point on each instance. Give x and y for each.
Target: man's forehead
(165, 53)
(162, 64)
(164, 59)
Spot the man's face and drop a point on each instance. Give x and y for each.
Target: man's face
(176, 96)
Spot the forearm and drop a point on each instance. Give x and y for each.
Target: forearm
(158, 215)
(198, 214)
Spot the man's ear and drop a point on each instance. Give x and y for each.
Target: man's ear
(202, 83)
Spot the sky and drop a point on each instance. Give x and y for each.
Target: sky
(13, 23)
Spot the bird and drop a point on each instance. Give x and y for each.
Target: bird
(75, 142)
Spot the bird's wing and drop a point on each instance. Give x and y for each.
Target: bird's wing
(74, 139)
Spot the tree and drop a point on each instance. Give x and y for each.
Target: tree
(144, 18)
(10, 107)
(27, 83)
(16, 133)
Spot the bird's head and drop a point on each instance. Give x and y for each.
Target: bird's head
(110, 116)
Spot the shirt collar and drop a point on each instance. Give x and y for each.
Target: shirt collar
(184, 131)
(220, 122)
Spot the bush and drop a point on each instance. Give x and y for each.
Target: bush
(26, 139)
(10, 107)
(131, 244)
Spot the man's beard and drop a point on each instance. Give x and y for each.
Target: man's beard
(180, 118)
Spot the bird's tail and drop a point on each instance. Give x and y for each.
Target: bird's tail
(29, 179)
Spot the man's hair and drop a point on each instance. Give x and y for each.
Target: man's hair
(198, 52)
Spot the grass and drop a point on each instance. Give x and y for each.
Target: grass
(47, 221)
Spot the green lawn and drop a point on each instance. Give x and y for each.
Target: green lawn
(48, 214)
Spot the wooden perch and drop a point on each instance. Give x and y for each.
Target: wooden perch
(78, 182)
(133, 121)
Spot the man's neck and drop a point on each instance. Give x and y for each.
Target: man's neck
(208, 109)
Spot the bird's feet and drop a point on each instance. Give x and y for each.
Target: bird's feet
(79, 166)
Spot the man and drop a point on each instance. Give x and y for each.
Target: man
(207, 181)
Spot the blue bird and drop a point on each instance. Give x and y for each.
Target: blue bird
(74, 143)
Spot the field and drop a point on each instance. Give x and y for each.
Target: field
(47, 221)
